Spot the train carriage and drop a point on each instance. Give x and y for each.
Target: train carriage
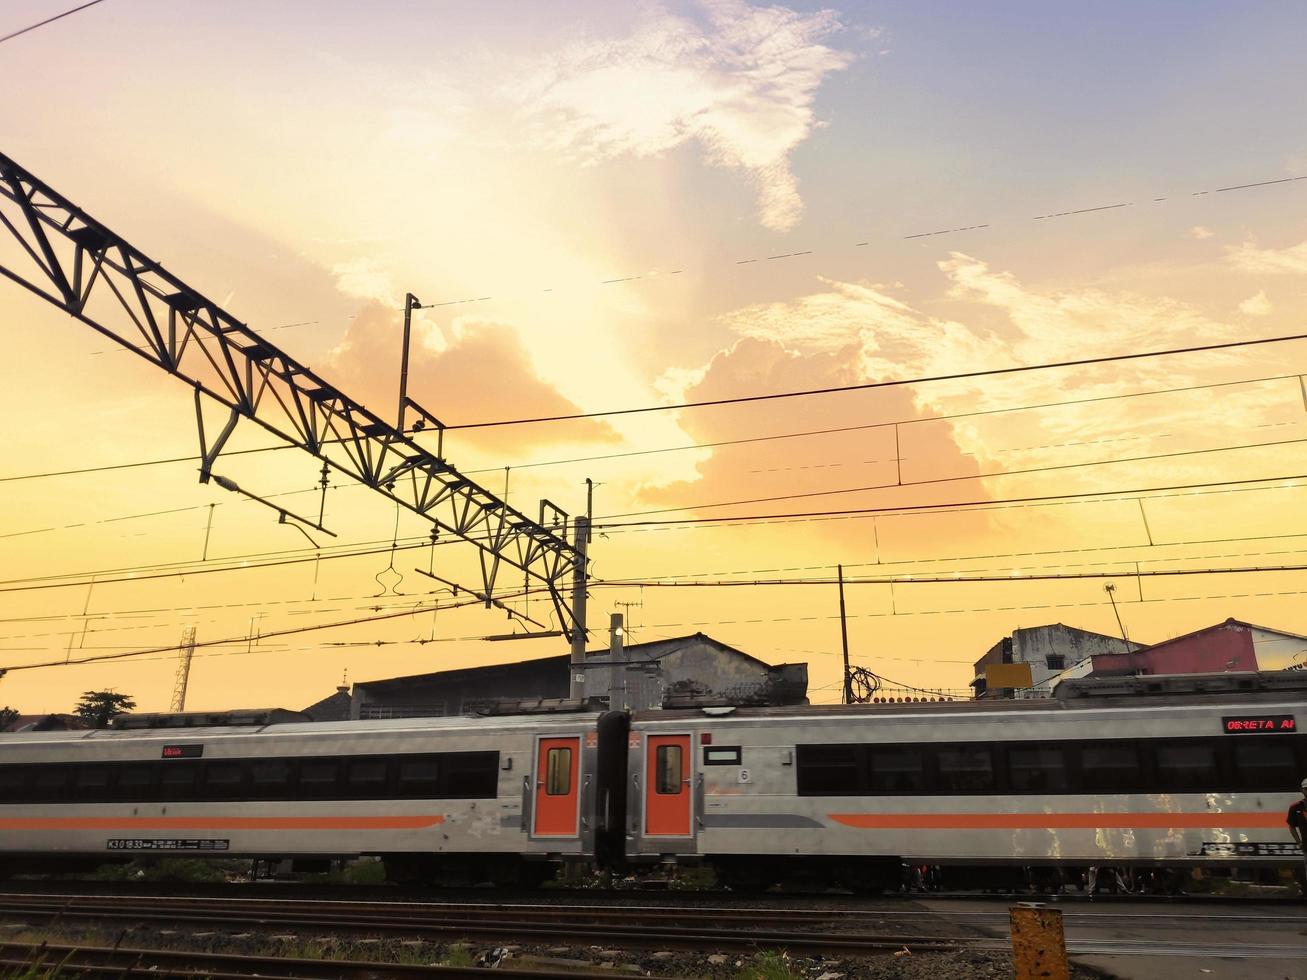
(849, 793)
(481, 797)
(1158, 772)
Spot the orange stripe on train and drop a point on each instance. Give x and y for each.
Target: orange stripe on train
(222, 823)
(1054, 821)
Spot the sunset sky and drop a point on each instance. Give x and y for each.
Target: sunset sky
(609, 206)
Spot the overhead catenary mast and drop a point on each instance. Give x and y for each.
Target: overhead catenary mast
(94, 275)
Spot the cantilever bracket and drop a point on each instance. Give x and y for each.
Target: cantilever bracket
(284, 516)
(208, 456)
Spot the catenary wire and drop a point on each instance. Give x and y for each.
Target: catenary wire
(49, 20)
(896, 383)
(531, 464)
(962, 506)
(1047, 468)
(290, 631)
(953, 228)
(958, 579)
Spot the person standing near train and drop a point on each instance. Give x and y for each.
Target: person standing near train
(1297, 821)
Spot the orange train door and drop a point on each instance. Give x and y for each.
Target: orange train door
(558, 762)
(667, 794)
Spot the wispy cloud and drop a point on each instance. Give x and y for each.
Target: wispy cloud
(1248, 257)
(1257, 305)
(740, 81)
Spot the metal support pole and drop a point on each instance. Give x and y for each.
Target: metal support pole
(576, 663)
(844, 641)
(411, 303)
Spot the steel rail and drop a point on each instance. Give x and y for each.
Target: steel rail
(109, 961)
(685, 931)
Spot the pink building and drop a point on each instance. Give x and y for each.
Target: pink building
(1228, 646)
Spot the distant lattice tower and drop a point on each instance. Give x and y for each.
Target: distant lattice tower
(187, 648)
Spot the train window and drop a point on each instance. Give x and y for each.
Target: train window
(12, 781)
(721, 755)
(896, 769)
(831, 770)
(558, 772)
(134, 782)
(178, 779)
(366, 776)
(271, 777)
(1110, 767)
(50, 780)
(419, 777)
(474, 775)
(223, 779)
(1036, 768)
(1265, 764)
(318, 777)
(92, 782)
(1187, 766)
(966, 769)
(667, 759)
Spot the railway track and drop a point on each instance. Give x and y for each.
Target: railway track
(121, 961)
(737, 930)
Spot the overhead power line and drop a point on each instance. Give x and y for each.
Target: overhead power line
(1048, 468)
(49, 20)
(183, 573)
(958, 506)
(952, 228)
(871, 385)
(959, 579)
(290, 631)
(687, 447)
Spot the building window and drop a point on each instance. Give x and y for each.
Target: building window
(1056, 661)
(558, 772)
(668, 763)
(380, 712)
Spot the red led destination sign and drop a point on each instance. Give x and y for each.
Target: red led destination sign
(1258, 724)
(183, 751)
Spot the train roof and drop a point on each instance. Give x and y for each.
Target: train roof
(1154, 690)
(472, 724)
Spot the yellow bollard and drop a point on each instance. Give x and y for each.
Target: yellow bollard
(1038, 944)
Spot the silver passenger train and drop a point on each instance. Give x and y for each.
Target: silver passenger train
(1146, 771)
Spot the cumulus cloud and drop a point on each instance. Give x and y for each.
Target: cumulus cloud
(476, 370)
(1257, 305)
(740, 82)
(1200, 232)
(1248, 257)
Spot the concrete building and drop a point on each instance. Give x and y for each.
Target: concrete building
(682, 670)
(1229, 646)
(1050, 651)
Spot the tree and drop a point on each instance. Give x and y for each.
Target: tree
(98, 708)
(7, 716)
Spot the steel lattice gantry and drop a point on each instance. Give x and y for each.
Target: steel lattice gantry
(74, 262)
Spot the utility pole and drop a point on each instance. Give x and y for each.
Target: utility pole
(844, 641)
(1110, 589)
(187, 649)
(576, 663)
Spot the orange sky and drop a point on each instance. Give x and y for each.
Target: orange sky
(309, 175)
